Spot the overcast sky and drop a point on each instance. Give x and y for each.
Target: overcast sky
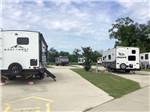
(69, 24)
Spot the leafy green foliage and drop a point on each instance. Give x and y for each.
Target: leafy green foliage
(95, 55)
(87, 64)
(129, 33)
(53, 53)
(87, 53)
(76, 54)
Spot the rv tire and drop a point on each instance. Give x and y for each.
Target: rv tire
(15, 68)
(123, 66)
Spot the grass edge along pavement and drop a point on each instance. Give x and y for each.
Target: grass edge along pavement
(115, 86)
(147, 70)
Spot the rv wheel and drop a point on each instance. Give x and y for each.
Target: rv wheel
(15, 68)
(123, 66)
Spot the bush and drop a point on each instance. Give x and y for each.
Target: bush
(87, 65)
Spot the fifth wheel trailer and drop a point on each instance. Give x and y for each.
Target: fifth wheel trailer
(145, 60)
(121, 58)
(23, 54)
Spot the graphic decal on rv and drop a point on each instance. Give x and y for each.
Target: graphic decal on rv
(121, 55)
(16, 48)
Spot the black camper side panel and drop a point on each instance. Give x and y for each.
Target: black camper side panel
(43, 50)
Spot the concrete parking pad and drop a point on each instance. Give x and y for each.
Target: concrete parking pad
(67, 67)
(69, 93)
(143, 72)
(137, 101)
(142, 77)
(143, 80)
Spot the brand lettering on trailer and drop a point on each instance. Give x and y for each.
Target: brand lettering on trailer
(121, 55)
(16, 48)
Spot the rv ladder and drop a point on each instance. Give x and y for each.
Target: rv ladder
(49, 74)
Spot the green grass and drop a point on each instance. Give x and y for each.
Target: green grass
(114, 85)
(148, 70)
(51, 63)
(49, 66)
(73, 63)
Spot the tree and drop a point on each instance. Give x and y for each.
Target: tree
(76, 54)
(87, 53)
(128, 33)
(72, 58)
(95, 55)
(63, 53)
(52, 53)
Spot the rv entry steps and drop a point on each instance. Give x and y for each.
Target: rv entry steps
(49, 74)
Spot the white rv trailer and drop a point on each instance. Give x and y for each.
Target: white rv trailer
(99, 60)
(121, 58)
(81, 60)
(62, 60)
(145, 60)
(23, 53)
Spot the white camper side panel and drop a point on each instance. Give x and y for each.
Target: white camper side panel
(21, 54)
(1, 46)
(109, 58)
(110, 55)
(123, 54)
(145, 60)
(81, 60)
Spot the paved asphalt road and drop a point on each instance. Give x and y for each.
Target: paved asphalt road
(70, 93)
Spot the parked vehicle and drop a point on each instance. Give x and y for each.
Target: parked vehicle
(145, 60)
(122, 58)
(81, 60)
(62, 60)
(99, 61)
(23, 54)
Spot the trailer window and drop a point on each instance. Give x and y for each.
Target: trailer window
(109, 57)
(131, 58)
(142, 57)
(22, 41)
(103, 58)
(133, 51)
(146, 56)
